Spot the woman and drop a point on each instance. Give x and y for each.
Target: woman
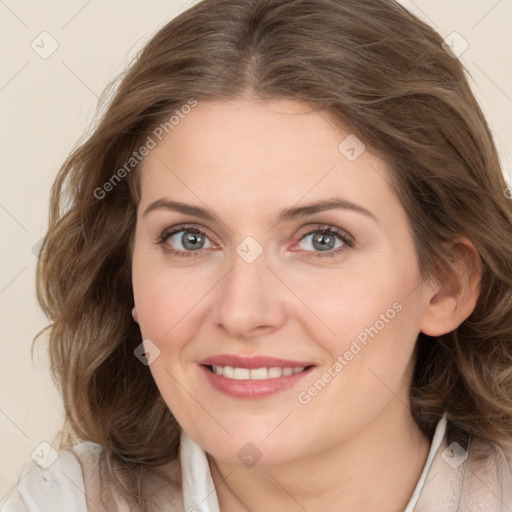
(279, 275)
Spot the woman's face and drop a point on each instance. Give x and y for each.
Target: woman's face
(264, 232)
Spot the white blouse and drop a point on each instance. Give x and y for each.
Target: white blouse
(447, 482)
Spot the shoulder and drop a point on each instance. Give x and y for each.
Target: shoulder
(73, 483)
(488, 477)
(56, 483)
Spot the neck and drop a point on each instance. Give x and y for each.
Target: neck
(376, 470)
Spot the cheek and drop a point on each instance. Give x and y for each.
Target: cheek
(372, 319)
(371, 301)
(369, 358)
(166, 298)
(166, 306)
(376, 321)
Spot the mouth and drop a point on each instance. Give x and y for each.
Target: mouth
(252, 378)
(263, 373)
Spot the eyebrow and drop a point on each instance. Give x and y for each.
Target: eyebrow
(287, 214)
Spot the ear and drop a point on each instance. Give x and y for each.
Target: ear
(135, 314)
(452, 297)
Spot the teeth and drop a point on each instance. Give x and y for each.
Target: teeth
(241, 373)
(255, 373)
(274, 373)
(258, 373)
(227, 371)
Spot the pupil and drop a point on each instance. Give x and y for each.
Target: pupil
(323, 242)
(192, 241)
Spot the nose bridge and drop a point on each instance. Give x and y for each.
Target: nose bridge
(248, 299)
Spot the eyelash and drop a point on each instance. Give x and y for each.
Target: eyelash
(348, 241)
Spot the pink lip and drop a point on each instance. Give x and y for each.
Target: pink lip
(253, 362)
(252, 389)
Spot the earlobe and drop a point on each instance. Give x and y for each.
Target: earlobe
(453, 297)
(135, 314)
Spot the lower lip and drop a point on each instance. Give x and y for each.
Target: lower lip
(253, 389)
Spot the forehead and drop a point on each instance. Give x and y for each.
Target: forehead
(257, 153)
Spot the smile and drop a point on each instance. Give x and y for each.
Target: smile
(273, 372)
(254, 377)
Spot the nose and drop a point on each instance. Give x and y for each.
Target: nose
(250, 300)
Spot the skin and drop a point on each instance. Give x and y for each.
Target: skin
(354, 446)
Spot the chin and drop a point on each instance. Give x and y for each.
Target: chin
(250, 447)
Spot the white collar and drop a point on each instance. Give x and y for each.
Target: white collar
(199, 494)
(437, 440)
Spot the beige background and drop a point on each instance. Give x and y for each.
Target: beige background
(46, 104)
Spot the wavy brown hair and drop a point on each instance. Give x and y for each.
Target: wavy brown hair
(373, 67)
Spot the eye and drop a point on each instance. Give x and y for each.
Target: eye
(183, 240)
(325, 241)
(319, 242)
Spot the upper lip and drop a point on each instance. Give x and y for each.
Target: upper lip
(253, 362)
